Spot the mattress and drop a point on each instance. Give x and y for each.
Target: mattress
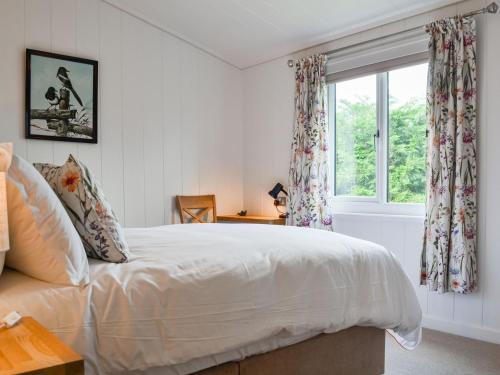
(194, 296)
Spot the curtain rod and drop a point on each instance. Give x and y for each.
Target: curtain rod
(492, 8)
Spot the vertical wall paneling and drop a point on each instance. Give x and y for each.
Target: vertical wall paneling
(12, 73)
(37, 35)
(135, 94)
(491, 258)
(482, 144)
(221, 140)
(393, 237)
(190, 104)
(266, 127)
(229, 141)
(111, 120)
(152, 123)
(172, 127)
(88, 28)
(63, 22)
(208, 84)
(411, 252)
(162, 113)
(441, 306)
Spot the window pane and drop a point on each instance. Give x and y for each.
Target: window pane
(355, 124)
(407, 141)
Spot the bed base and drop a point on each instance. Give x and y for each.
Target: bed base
(356, 350)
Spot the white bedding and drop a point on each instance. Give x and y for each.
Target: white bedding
(193, 296)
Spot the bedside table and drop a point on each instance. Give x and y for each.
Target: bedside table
(251, 219)
(29, 348)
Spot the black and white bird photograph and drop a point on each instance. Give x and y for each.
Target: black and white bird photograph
(61, 97)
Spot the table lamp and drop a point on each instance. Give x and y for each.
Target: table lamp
(5, 160)
(279, 201)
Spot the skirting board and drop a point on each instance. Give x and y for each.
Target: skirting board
(460, 329)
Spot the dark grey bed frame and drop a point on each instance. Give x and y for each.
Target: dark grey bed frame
(353, 351)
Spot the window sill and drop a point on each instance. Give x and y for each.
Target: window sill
(375, 208)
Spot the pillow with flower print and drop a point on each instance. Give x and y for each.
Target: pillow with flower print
(88, 209)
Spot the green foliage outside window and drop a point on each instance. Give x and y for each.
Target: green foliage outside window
(356, 122)
(407, 152)
(356, 155)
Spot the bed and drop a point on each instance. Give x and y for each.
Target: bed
(241, 296)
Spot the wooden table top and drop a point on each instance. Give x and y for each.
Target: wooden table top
(252, 219)
(29, 347)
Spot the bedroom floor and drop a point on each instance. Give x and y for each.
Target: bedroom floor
(441, 354)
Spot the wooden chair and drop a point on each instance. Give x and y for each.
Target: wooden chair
(195, 208)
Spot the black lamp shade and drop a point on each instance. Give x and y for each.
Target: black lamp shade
(278, 188)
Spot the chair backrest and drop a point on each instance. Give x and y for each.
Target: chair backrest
(196, 207)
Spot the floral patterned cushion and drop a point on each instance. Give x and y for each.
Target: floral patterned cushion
(88, 209)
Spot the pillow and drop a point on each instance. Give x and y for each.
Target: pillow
(88, 209)
(43, 242)
(5, 160)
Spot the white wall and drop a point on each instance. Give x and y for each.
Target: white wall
(169, 114)
(268, 118)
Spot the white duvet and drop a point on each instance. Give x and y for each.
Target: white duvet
(195, 291)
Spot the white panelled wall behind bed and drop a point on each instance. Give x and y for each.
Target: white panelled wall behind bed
(169, 114)
(268, 117)
(174, 119)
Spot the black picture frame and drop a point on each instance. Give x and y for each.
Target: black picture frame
(66, 115)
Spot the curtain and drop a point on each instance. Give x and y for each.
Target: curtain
(309, 203)
(449, 250)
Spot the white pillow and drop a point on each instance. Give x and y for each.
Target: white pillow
(43, 242)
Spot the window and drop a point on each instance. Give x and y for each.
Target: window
(407, 128)
(355, 124)
(379, 131)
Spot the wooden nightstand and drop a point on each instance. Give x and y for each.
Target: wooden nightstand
(251, 219)
(28, 348)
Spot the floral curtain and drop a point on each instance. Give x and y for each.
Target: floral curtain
(309, 189)
(449, 251)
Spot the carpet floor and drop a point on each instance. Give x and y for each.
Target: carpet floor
(443, 354)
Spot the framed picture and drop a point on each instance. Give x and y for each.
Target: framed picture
(61, 97)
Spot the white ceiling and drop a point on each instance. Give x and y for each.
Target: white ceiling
(248, 32)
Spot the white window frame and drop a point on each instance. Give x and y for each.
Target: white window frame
(379, 204)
